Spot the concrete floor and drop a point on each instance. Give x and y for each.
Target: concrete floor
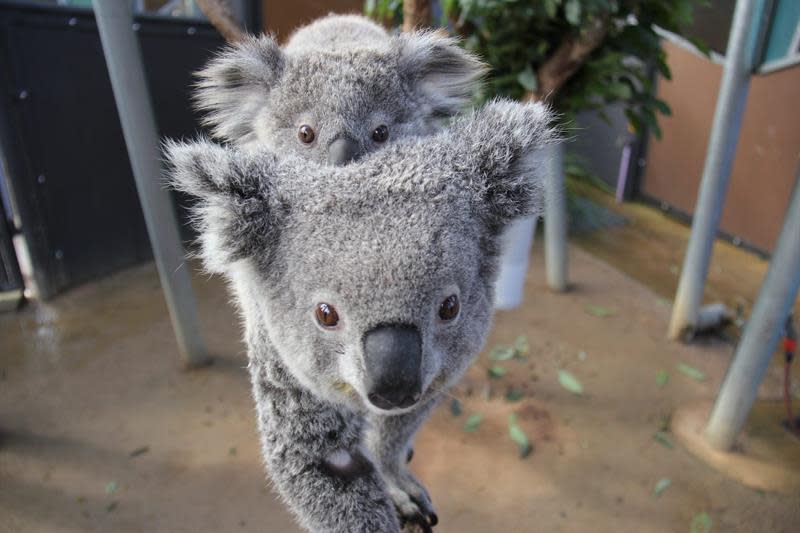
(100, 429)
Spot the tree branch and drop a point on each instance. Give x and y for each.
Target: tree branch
(220, 16)
(416, 14)
(567, 59)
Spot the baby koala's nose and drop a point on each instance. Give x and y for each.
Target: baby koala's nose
(393, 360)
(343, 150)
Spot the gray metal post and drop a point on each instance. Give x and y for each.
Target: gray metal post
(123, 57)
(555, 220)
(716, 173)
(761, 335)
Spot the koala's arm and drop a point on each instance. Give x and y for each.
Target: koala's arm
(389, 440)
(315, 457)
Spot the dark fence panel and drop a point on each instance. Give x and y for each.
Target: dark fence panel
(69, 169)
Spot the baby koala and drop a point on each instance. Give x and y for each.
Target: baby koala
(366, 291)
(340, 88)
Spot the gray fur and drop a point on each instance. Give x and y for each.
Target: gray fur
(343, 76)
(384, 240)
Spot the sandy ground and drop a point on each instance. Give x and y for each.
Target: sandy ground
(101, 430)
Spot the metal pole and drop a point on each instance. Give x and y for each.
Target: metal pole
(555, 220)
(761, 335)
(719, 160)
(123, 57)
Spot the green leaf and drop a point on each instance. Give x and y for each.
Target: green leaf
(472, 423)
(501, 353)
(455, 407)
(619, 90)
(700, 45)
(518, 435)
(662, 438)
(662, 485)
(514, 395)
(570, 382)
(599, 311)
(521, 346)
(692, 372)
(497, 371)
(662, 107)
(551, 7)
(527, 78)
(662, 378)
(572, 11)
(701, 523)
(111, 487)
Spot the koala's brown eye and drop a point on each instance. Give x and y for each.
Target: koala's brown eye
(326, 315)
(306, 134)
(449, 308)
(380, 134)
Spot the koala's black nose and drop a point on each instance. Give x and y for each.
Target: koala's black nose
(393, 360)
(342, 151)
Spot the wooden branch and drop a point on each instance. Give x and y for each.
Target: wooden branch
(567, 59)
(220, 16)
(416, 14)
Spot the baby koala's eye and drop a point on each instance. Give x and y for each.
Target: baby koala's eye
(380, 134)
(306, 134)
(326, 315)
(449, 308)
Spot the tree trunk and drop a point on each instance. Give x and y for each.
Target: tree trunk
(220, 16)
(567, 59)
(416, 14)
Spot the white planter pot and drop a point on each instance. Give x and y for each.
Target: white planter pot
(516, 250)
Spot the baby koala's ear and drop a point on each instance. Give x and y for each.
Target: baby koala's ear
(498, 148)
(235, 212)
(233, 86)
(443, 76)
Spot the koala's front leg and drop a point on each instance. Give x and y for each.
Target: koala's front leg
(389, 440)
(315, 458)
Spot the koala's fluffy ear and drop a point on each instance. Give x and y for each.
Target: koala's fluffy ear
(498, 149)
(233, 86)
(235, 212)
(442, 75)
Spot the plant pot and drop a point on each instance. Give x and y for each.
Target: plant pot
(516, 247)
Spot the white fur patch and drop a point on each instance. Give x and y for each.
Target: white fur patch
(340, 460)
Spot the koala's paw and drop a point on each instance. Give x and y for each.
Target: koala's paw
(412, 502)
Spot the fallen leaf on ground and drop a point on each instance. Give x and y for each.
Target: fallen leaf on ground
(497, 371)
(501, 353)
(582, 355)
(514, 395)
(570, 382)
(662, 485)
(521, 346)
(473, 422)
(232, 451)
(692, 372)
(111, 506)
(139, 451)
(701, 523)
(518, 435)
(111, 487)
(662, 378)
(599, 311)
(663, 439)
(455, 407)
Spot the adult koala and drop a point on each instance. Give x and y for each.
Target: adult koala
(340, 88)
(366, 290)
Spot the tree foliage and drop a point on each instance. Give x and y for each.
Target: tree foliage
(577, 54)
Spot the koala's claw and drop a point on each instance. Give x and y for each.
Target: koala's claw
(413, 504)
